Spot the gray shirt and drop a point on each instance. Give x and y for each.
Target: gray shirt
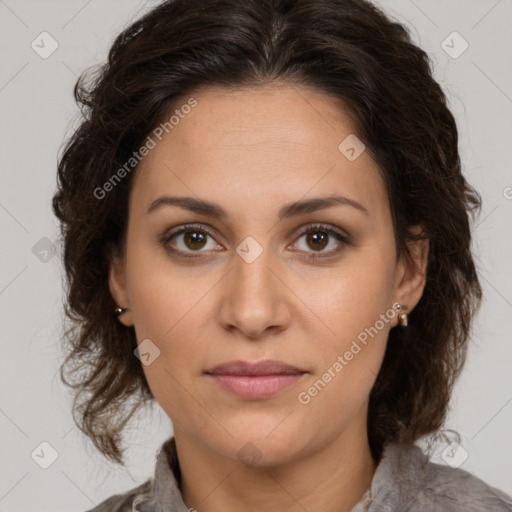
(405, 480)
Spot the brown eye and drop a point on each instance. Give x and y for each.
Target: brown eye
(194, 239)
(317, 240)
(188, 240)
(318, 237)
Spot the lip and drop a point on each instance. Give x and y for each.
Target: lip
(267, 367)
(255, 381)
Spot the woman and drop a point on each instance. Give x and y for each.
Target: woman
(267, 232)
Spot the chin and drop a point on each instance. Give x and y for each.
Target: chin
(262, 444)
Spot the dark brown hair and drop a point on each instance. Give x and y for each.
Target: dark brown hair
(346, 48)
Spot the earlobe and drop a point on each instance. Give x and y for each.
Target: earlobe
(117, 286)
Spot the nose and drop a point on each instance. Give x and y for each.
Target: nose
(256, 300)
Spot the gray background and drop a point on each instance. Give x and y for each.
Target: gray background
(37, 112)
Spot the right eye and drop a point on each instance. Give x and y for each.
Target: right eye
(192, 238)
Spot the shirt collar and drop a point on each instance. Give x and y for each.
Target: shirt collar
(398, 463)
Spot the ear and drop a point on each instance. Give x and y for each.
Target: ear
(411, 271)
(118, 290)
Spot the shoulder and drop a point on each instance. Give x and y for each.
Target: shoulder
(161, 492)
(407, 480)
(124, 502)
(459, 490)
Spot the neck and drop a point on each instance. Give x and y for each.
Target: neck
(332, 479)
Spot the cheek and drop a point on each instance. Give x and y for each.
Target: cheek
(356, 297)
(162, 296)
(170, 307)
(349, 359)
(357, 310)
(169, 311)
(173, 320)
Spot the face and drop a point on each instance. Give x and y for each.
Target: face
(248, 282)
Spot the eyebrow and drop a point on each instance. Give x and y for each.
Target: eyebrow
(289, 210)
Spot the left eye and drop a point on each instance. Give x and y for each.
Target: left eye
(319, 236)
(194, 238)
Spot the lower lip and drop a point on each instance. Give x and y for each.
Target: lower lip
(256, 387)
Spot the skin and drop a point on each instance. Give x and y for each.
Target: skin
(251, 151)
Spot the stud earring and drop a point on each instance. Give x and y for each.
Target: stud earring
(119, 311)
(402, 317)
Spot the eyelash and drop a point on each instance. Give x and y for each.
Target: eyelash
(325, 228)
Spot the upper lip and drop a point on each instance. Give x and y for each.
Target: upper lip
(268, 367)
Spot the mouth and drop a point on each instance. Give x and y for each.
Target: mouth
(255, 381)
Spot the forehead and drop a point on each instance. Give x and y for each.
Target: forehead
(256, 147)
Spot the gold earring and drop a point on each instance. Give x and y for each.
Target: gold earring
(402, 317)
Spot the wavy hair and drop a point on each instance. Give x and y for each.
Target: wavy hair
(348, 49)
